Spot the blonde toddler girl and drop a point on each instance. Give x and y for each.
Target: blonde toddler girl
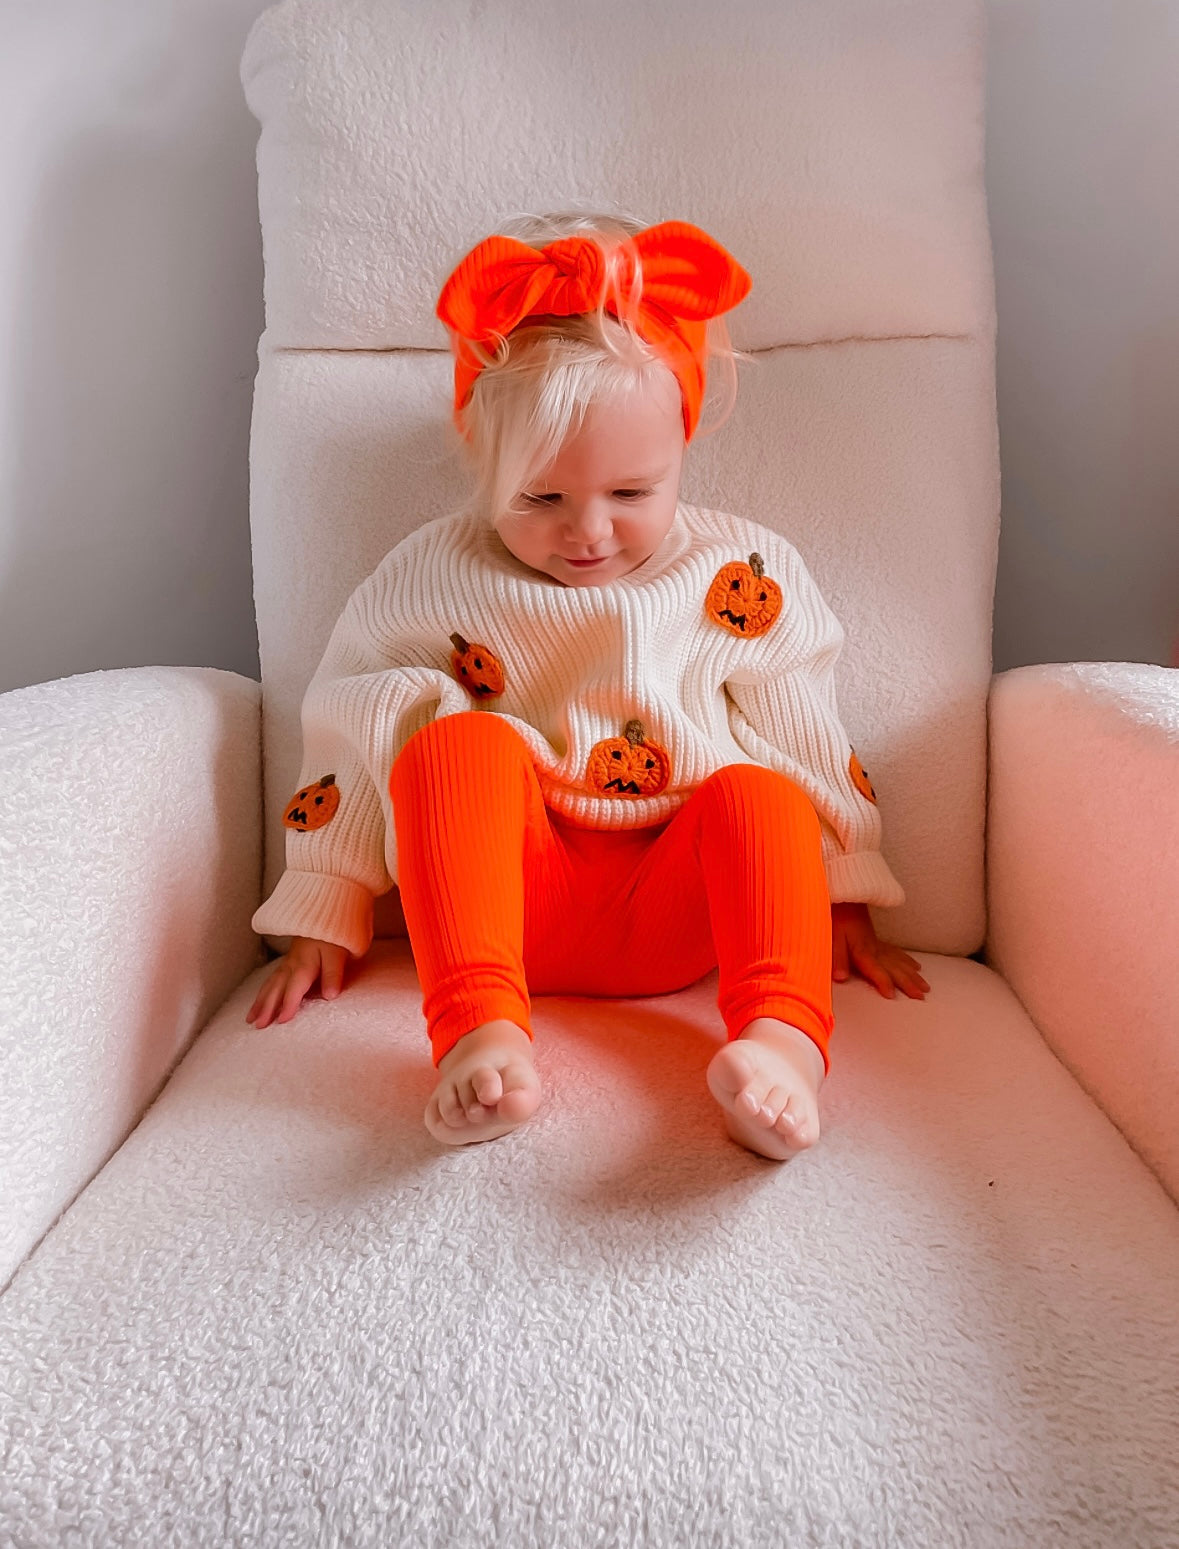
(589, 729)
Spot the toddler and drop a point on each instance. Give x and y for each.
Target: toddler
(589, 729)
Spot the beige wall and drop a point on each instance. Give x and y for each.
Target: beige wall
(1083, 185)
(130, 299)
(130, 303)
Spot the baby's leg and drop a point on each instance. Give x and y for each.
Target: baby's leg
(470, 819)
(750, 839)
(761, 854)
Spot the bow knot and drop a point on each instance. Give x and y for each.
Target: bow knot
(686, 277)
(578, 278)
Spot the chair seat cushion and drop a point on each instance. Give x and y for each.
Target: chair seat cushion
(285, 1314)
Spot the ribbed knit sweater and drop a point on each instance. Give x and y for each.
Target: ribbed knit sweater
(628, 694)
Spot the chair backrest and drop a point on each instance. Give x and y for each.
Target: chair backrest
(835, 147)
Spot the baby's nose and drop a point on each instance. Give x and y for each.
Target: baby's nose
(591, 524)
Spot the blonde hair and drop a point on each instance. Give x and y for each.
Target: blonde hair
(539, 381)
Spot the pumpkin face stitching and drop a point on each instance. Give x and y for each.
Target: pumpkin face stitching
(477, 668)
(313, 806)
(742, 598)
(629, 765)
(860, 778)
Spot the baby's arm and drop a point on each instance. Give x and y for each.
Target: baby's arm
(360, 707)
(333, 824)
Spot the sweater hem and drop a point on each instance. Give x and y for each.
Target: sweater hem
(863, 877)
(321, 907)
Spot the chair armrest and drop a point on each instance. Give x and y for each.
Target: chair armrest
(130, 865)
(1083, 880)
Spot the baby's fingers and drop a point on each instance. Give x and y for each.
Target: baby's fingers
(875, 973)
(299, 981)
(332, 974)
(264, 1001)
(281, 996)
(269, 998)
(906, 971)
(905, 962)
(913, 985)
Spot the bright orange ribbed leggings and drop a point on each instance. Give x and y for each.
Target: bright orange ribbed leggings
(502, 896)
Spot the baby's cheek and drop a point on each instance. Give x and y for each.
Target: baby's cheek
(525, 537)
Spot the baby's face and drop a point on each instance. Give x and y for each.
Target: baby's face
(606, 501)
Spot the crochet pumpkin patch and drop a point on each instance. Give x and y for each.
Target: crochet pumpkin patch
(860, 778)
(628, 765)
(313, 806)
(477, 668)
(742, 598)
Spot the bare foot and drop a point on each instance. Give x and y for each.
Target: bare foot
(488, 1086)
(767, 1081)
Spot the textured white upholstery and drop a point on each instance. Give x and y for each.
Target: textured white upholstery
(835, 148)
(129, 868)
(282, 1314)
(1083, 880)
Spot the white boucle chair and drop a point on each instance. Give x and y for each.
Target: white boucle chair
(250, 1301)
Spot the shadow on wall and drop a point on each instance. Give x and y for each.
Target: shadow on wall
(138, 312)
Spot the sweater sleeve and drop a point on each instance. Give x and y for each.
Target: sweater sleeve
(783, 713)
(375, 686)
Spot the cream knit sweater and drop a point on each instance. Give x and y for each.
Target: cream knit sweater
(578, 664)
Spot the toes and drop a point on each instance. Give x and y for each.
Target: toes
(736, 1070)
(752, 1100)
(450, 1108)
(487, 1094)
(521, 1095)
(773, 1105)
(487, 1086)
(468, 1097)
(738, 1080)
(749, 1104)
(794, 1122)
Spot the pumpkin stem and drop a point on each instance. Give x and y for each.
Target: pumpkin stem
(757, 565)
(328, 780)
(459, 644)
(634, 733)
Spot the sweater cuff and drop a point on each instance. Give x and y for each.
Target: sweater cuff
(863, 877)
(323, 907)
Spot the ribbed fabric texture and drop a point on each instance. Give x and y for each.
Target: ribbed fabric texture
(579, 663)
(502, 899)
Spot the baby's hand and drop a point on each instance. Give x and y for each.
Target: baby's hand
(294, 975)
(853, 936)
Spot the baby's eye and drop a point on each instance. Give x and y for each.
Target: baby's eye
(624, 494)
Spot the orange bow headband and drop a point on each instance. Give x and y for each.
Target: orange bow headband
(686, 279)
